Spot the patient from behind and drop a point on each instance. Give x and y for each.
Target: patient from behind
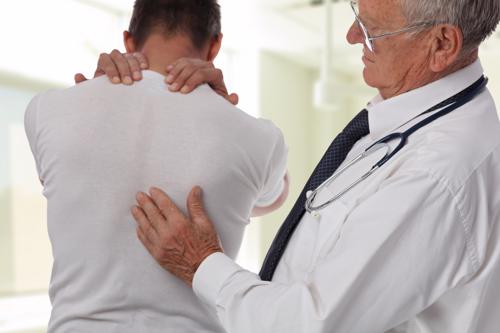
(96, 144)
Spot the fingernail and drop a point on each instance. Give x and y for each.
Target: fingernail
(116, 79)
(139, 196)
(174, 87)
(170, 67)
(137, 75)
(127, 80)
(197, 192)
(185, 89)
(170, 78)
(144, 65)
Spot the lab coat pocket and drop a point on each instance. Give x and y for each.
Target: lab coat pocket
(298, 258)
(330, 227)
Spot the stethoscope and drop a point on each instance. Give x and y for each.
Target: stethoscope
(449, 105)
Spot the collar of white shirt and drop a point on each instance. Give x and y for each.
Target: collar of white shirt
(388, 115)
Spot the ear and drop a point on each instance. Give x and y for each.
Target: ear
(214, 47)
(129, 42)
(447, 43)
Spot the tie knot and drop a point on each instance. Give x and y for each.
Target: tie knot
(358, 127)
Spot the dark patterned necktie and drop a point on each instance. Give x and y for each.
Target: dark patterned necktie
(333, 158)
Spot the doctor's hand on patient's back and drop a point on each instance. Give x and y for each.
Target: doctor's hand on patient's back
(183, 76)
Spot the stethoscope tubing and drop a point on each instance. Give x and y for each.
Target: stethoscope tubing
(449, 105)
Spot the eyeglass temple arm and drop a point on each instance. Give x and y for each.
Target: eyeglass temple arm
(399, 31)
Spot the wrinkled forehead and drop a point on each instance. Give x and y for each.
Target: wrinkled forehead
(387, 12)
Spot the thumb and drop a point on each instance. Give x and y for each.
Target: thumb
(231, 98)
(79, 78)
(195, 206)
(234, 99)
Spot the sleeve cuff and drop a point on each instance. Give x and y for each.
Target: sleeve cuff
(272, 196)
(211, 276)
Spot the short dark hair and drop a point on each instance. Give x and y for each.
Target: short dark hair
(199, 19)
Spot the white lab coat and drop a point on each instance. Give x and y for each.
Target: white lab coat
(414, 248)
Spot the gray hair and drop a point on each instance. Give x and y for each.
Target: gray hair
(477, 19)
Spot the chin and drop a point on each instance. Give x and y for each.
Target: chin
(369, 78)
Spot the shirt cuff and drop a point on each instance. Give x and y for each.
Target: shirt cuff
(272, 196)
(211, 276)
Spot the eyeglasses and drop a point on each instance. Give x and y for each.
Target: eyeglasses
(369, 39)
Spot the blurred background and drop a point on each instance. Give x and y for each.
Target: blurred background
(272, 57)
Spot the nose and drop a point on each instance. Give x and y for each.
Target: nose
(354, 34)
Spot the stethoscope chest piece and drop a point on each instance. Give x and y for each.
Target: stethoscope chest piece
(315, 214)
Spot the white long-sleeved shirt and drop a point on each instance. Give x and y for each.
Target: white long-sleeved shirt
(414, 248)
(95, 145)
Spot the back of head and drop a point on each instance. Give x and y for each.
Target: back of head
(197, 19)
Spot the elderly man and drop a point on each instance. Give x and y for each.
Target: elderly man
(414, 247)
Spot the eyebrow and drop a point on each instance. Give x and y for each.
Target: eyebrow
(367, 20)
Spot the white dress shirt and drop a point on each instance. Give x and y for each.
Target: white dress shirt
(95, 145)
(414, 248)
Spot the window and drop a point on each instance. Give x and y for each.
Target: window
(25, 260)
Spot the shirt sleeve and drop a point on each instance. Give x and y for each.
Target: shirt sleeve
(30, 127)
(275, 171)
(398, 251)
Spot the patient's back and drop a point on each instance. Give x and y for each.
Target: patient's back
(96, 145)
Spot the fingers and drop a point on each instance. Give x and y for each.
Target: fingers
(175, 69)
(168, 208)
(144, 240)
(198, 78)
(180, 82)
(143, 61)
(144, 225)
(106, 66)
(134, 65)
(152, 212)
(195, 206)
(233, 99)
(186, 74)
(183, 69)
(150, 247)
(79, 78)
(123, 66)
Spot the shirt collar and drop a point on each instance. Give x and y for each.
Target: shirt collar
(387, 115)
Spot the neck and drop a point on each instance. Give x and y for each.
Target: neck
(162, 52)
(424, 77)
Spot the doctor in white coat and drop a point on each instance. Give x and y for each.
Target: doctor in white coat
(414, 247)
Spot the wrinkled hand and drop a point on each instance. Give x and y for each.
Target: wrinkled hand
(177, 242)
(119, 67)
(186, 74)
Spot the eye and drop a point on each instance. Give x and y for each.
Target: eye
(374, 30)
